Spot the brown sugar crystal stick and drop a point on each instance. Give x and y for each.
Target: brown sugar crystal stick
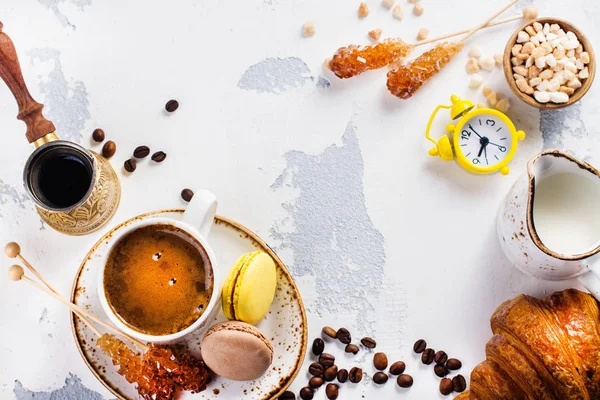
(404, 80)
(13, 250)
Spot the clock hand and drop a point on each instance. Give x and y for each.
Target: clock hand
(485, 152)
(474, 131)
(481, 150)
(497, 145)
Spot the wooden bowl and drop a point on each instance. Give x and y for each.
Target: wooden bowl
(579, 93)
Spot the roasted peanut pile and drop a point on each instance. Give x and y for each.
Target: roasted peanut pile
(549, 63)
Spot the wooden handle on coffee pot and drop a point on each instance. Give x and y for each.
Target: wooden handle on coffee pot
(30, 111)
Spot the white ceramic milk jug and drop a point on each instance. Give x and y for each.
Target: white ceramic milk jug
(549, 223)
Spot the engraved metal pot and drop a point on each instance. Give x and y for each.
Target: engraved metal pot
(102, 197)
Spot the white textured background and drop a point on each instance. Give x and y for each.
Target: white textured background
(333, 174)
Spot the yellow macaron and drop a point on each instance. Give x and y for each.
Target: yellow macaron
(250, 288)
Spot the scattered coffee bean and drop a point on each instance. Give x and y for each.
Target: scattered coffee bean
(109, 149)
(130, 165)
(397, 368)
(172, 105)
(318, 344)
(368, 342)
(380, 378)
(332, 391)
(159, 156)
(453, 364)
(307, 393)
(330, 373)
(343, 336)
(420, 346)
(287, 395)
(440, 357)
(441, 370)
(428, 356)
(404, 381)
(459, 383)
(98, 135)
(326, 360)
(141, 152)
(316, 369)
(329, 331)
(380, 361)
(342, 375)
(355, 375)
(352, 348)
(446, 386)
(315, 382)
(187, 194)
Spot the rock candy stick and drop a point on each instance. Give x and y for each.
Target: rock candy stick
(354, 60)
(405, 80)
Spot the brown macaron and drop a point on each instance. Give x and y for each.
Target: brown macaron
(237, 351)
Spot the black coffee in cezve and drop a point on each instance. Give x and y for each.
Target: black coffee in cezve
(61, 179)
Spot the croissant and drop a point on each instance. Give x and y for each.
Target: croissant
(541, 349)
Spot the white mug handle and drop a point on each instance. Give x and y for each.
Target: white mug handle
(201, 212)
(591, 279)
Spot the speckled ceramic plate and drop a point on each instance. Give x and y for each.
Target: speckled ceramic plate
(285, 324)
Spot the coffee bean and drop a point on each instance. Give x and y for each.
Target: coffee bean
(130, 165)
(459, 383)
(397, 368)
(287, 395)
(380, 378)
(355, 375)
(315, 382)
(326, 360)
(428, 356)
(441, 370)
(440, 357)
(316, 369)
(187, 194)
(343, 336)
(352, 348)
(332, 391)
(98, 135)
(172, 105)
(342, 375)
(109, 149)
(453, 364)
(159, 156)
(446, 386)
(330, 373)
(307, 393)
(368, 342)
(318, 344)
(141, 152)
(404, 381)
(329, 331)
(380, 361)
(420, 346)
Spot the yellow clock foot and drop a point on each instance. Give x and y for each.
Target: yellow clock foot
(504, 170)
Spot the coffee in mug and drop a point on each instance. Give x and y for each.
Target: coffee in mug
(158, 279)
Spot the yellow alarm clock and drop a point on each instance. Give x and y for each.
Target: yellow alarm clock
(483, 141)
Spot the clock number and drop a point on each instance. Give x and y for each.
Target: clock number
(502, 149)
(476, 161)
(490, 122)
(464, 135)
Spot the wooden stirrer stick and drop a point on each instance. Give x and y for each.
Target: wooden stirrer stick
(491, 24)
(13, 250)
(506, 7)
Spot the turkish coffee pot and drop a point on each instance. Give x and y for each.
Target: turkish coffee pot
(75, 190)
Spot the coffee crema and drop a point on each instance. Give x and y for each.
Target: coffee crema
(158, 279)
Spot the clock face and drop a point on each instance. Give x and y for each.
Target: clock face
(484, 140)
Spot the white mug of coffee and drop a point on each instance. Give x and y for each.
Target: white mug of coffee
(156, 269)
